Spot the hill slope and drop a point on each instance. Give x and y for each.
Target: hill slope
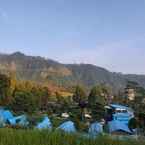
(46, 70)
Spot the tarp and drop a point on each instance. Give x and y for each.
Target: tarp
(68, 127)
(115, 126)
(19, 120)
(45, 124)
(95, 129)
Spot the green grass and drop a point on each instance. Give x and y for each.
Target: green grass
(35, 137)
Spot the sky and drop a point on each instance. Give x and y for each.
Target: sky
(107, 33)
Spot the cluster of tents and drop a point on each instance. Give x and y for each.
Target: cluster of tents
(119, 123)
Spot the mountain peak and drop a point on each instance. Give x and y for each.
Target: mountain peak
(17, 54)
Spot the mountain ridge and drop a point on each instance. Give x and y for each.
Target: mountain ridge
(47, 70)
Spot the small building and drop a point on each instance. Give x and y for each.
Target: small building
(130, 93)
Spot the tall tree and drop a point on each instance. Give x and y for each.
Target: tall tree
(4, 89)
(96, 96)
(96, 102)
(79, 94)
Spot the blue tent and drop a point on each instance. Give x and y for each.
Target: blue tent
(45, 124)
(5, 115)
(19, 120)
(95, 129)
(115, 126)
(68, 127)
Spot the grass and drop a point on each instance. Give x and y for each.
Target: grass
(35, 137)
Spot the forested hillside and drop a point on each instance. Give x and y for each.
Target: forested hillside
(63, 75)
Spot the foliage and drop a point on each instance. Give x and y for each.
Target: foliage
(133, 123)
(137, 104)
(79, 94)
(96, 102)
(96, 96)
(35, 137)
(4, 89)
(42, 95)
(24, 102)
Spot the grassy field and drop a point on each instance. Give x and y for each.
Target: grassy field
(34, 137)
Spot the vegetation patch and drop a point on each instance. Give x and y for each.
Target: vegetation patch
(35, 137)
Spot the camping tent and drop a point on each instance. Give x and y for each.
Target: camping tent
(68, 127)
(45, 124)
(19, 120)
(118, 126)
(5, 115)
(95, 129)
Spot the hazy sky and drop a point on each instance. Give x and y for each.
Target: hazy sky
(108, 33)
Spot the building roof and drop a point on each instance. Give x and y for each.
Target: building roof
(121, 107)
(115, 126)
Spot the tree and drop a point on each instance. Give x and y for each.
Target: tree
(45, 98)
(24, 102)
(42, 95)
(79, 94)
(96, 102)
(4, 89)
(133, 123)
(95, 96)
(139, 92)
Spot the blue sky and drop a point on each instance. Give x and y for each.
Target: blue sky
(107, 33)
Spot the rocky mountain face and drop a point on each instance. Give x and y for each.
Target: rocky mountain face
(64, 75)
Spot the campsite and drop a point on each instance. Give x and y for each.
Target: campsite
(72, 72)
(87, 114)
(67, 133)
(90, 118)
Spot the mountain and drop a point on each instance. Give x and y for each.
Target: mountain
(46, 70)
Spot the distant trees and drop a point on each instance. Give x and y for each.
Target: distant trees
(24, 102)
(95, 102)
(139, 102)
(27, 96)
(5, 84)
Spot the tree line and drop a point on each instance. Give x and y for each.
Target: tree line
(29, 97)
